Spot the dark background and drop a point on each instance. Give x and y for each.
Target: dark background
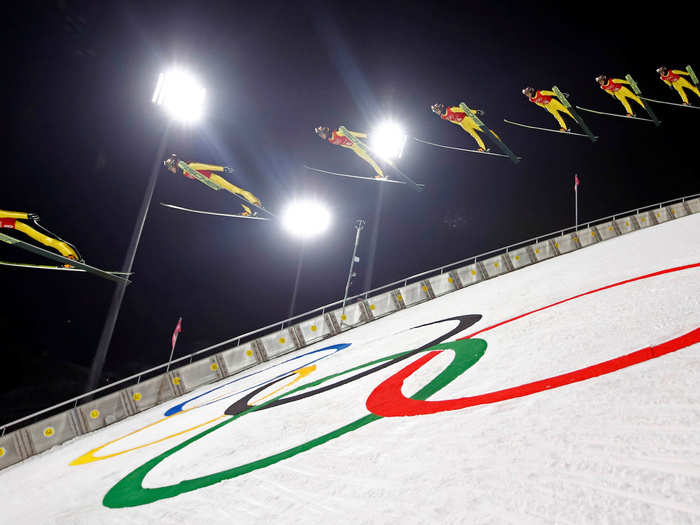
(81, 137)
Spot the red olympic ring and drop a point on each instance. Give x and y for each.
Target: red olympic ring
(387, 400)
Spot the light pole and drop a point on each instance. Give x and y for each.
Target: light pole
(183, 99)
(359, 225)
(304, 219)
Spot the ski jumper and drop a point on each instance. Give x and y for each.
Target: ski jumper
(11, 220)
(615, 88)
(339, 139)
(678, 83)
(548, 101)
(216, 182)
(455, 115)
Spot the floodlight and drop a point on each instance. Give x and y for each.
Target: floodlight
(306, 218)
(388, 140)
(181, 95)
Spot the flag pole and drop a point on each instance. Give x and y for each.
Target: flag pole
(178, 329)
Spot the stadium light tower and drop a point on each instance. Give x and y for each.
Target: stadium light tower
(359, 226)
(307, 218)
(304, 219)
(388, 140)
(182, 98)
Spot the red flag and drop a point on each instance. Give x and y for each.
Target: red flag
(177, 330)
(576, 182)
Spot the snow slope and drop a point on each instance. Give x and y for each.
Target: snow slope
(565, 439)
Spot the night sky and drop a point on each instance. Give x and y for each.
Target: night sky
(82, 138)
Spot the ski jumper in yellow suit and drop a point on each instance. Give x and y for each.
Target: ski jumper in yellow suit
(210, 172)
(677, 82)
(615, 88)
(339, 139)
(455, 115)
(548, 101)
(13, 221)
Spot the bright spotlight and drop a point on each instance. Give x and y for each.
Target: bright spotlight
(306, 218)
(388, 140)
(181, 96)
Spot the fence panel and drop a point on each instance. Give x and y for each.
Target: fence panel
(661, 215)
(519, 258)
(238, 358)
(607, 230)
(414, 293)
(494, 266)
(694, 205)
(677, 210)
(278, 343)
(469, 274)
(544, 250)
(626, 224)
(10, 448)
(103, 411)
(645, 219)
(198, 373)
(442, 284)
(52, 431)
(382, 304)
(589, 236)
(566, 243)
(353, 315)
(315, 329)
(151, 392)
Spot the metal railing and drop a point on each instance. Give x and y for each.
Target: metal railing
(323, 309)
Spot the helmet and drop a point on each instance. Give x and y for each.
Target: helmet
(322, 131)
(663, 70)
(529, 91)
(171, 162)
(438, 108)
(601, 79)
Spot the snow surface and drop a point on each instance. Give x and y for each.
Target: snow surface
(619, 448)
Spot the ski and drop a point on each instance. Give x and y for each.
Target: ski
(50, 267)
(638, 92)
(359, 177)
(562, 98)
(463, 149)
(364, 146)
(63, 260)
(234, 215)
(693, 76)
(194, 173)
(502, 146)
(670, 103)
(546, 129)
(614, 114)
